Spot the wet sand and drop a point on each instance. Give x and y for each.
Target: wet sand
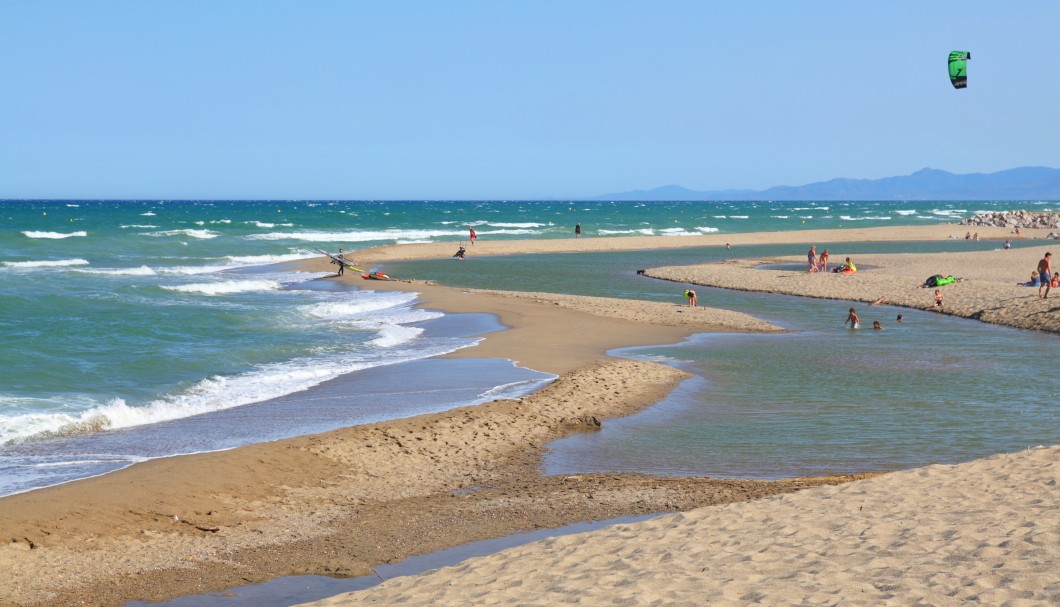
(338, 503)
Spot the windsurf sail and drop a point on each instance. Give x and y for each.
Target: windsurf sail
(959, 68)
(341, 261)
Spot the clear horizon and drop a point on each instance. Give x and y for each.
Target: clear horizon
(484, 101)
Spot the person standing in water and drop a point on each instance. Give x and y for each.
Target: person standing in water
(853, 319)
(578, 231)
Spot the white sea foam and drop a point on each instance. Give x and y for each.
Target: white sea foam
(186, 232)
(226, 287)
(738, 216)
(147, 214)
(261, 260)
(393, 335)
(54, 263)
(357, 235)
(141, 271)
(517, 225)
(905, 213)
(142, 226)
(356, 307)
(52, 235)
(849, 218)
(265, 224)
(706, 229)
(644, 231)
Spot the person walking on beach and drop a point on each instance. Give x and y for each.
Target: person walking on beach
(811, 259)
(471, 234)
(578, 231)
(1045, 275)
(938, 299)
(853, 319)
(340, 259)
(691, 295)
(823, 260)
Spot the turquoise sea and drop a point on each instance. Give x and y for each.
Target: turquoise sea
(138, 329)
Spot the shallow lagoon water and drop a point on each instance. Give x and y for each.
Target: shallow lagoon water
(821, 399)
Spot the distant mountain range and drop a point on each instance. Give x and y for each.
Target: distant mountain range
(1024, 183)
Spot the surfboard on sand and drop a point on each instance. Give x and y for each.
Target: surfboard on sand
(340, 261)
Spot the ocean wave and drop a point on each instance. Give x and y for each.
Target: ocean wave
(52, 235)
(141, 271)
(393, 335)
(517, 225)
(352, 309)
(55, 263)
(203, 234)
(214, 393)
(357, 235)
(903, 213)
(262, 260)
(226, 287)
(849, 218)
(142, 226)
(643, 231)
(707, 229)
(147, 214)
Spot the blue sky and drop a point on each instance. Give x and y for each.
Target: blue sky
(502, 100)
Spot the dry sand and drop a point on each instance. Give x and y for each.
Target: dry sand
(438, 250)
(985, 532)
(340, 502)
(988, 291)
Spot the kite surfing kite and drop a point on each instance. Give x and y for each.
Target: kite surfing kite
(959, 68)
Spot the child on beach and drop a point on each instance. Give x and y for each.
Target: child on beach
(691, 295)
(853, 319)
(823, 260)
(938, 299)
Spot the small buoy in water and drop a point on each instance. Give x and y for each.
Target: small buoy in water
(44, 213)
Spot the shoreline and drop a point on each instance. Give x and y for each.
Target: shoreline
(444, 250)
(339, 502)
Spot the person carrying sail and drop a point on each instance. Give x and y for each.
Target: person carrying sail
(341, 260)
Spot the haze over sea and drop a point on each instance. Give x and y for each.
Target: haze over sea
(138, 329)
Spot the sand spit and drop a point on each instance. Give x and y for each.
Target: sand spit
(340, 502)
(988, 291)
(985, 532)
(440, 250)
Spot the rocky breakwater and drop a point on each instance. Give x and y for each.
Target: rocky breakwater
(1018, 219)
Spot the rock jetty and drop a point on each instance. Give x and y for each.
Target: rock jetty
(1017, 219)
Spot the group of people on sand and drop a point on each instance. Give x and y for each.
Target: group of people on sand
(819, 263)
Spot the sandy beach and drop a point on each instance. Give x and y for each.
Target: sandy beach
(989, 289)
(985, 532)
(340, 502)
